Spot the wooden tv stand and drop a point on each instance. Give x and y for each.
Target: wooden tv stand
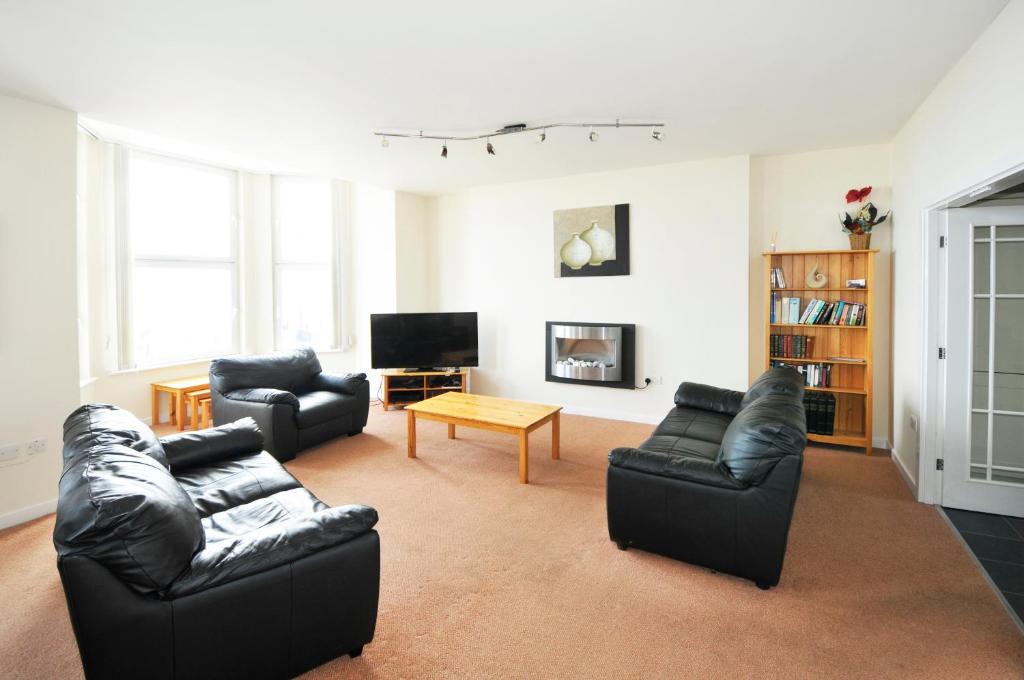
(401, 388)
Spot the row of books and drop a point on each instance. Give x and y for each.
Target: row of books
(817, 312)
(820, 408)
(784, 309)
(794, 346)
(837, 313)
(815, 375)
(778, 278)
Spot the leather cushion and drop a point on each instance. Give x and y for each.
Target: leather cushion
(192, 449)
(784, 381)
(682, 446)
(772, 427)
(99, 424)
(235, 482)
(267, 533)
(289, 371)
(316, 408)
(709, 398)
(123, 509)
(694, 423)
(686, 468)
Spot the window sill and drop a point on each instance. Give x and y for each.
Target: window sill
(157, 367)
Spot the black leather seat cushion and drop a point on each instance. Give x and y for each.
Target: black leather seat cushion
(693, 423)
(320, 406)
(269, 532)
(682, 446)
(235, 482)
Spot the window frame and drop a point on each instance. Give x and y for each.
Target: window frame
(333, 263)
(128, 259)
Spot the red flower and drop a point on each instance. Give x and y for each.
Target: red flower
(857, 195)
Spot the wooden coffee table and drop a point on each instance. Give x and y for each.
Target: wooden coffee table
(518, 418)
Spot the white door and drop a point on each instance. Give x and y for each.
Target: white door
(983, 440)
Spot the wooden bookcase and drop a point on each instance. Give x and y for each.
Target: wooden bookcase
(401, 388)
(851, 383)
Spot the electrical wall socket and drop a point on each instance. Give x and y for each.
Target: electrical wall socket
(657, 380)
(36, 446)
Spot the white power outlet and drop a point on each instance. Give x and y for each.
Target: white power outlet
(36, 446)
(657, 380)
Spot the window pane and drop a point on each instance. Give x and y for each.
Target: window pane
(179, 209)
(1010, 267)
(982, 267)
(182, 312)
(979, 438)
(1008, 441)
(303, 213)
(1009, 355)
(980, 359)
(305, 306)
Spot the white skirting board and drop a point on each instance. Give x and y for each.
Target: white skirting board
(904, 473)
(28, 513)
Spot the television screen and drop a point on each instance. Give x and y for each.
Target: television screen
(423, 340)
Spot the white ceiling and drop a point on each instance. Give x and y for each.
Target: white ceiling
(302, 85)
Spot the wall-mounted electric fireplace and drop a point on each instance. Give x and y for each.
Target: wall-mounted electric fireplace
(590, 353)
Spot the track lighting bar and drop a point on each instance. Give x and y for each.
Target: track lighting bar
(520, 128)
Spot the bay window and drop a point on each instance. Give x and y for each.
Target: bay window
(178, 279)
(305, 263)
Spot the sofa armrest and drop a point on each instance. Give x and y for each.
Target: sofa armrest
(272, 546)
(203, 447)
(696, 470)
(350, 383)
(709, 398)
(263, 395)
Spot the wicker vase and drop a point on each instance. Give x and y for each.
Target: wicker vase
(860, 241)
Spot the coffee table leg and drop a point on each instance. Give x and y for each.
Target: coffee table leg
(524, 457)
(181, 411)
(411, 419)
(556, 436)
(451, 431)
(156, 407)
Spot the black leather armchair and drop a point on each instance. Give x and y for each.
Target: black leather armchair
(200, 556)
(717, 481)
(293, 401)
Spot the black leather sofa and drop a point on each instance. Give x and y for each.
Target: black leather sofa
(293, 401)
(199, 556)
(716, 482)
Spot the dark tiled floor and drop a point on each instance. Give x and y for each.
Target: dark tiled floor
(998, 543)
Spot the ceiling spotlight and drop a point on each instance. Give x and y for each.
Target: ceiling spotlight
(384, 141)
(593, 135)
(490, 147)
(444, 150)
(656, 134)
(542, 136)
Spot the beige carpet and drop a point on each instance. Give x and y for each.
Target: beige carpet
(483, 577)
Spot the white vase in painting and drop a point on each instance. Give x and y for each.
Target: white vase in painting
(575, 252)
(601, 242)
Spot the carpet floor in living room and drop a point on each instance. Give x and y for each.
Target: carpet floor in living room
(483, 577)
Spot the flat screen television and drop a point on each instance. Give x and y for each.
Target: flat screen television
(423, 340)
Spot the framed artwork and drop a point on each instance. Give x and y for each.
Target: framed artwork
(592, 241)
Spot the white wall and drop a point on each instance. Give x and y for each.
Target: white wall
(799, 197)
(38, 307)
(970, 128)
(687, 290)
(414, 282)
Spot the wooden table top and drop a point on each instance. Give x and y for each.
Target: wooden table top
(192, 383)
(481, 409)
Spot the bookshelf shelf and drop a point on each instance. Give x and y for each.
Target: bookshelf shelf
(821, 290)
(815, 360)
(851, 382)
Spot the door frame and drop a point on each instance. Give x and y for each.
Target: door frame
(933, 311)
